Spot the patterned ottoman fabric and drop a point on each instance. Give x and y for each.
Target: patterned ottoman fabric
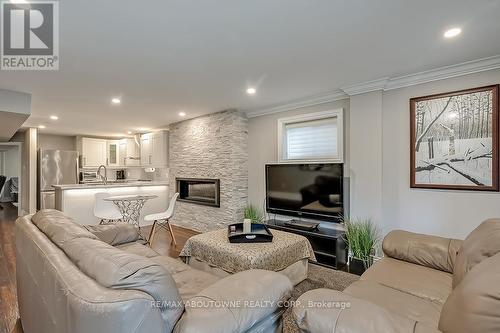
(214, 248)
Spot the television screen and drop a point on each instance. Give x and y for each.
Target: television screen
(308, 190)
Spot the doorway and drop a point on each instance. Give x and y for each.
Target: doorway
(10, 174)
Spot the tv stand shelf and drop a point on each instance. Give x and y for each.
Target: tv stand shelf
(328, 244)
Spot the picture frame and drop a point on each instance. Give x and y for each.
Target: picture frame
(454, 140)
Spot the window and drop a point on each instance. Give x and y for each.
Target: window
(311, 137)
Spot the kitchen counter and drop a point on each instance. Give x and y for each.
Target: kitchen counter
(109, 185)
(77, 200)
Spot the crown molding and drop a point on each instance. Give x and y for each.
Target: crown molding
(323, 98)
(365, 87)
(384, 84)
(442, 73)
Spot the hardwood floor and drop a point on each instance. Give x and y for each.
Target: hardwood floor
(163, 242)
(8, 298)
(9, 314)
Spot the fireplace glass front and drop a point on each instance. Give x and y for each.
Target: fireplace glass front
(201, 191)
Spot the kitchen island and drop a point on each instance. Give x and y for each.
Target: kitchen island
(77, 200)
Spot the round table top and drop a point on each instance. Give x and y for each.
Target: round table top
(130, 197)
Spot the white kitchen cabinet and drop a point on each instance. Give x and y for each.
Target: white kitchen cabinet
(159, 149)
(129, 152)
(94, 152)
(123, 152)
(146, 151)
(154, 149)
(113, 153)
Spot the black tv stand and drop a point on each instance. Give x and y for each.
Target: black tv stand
(303, 225)
(328, 244)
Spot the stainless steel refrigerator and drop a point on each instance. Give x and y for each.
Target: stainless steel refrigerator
(55, 167)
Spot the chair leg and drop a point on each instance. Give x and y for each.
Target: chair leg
(171, 232)
(151, 234)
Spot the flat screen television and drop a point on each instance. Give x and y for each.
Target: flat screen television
(305, 190)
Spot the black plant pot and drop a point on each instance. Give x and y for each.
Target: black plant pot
(356, 266)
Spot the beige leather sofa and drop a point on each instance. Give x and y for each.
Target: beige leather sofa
(99, 279)
(423, 284)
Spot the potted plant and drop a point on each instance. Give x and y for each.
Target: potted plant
(361, 237)
(253, 214)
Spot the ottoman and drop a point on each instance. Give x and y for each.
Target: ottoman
(287, 254)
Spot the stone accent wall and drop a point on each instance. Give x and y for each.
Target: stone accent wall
(212, 146)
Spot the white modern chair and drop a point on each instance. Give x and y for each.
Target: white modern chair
(162, 220)
(104, 210)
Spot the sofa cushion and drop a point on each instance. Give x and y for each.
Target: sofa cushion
(117, 269)
(483, 242)
(404, 304)
(426, 250)
(58, 227)
(427, 283)
(139, 249)
(326, 310)
(474, 305)
(189, 281)
(112, 267)
(236, 303)
(115, 234)
(172, 265)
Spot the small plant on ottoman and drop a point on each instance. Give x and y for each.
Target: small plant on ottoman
(253, 214)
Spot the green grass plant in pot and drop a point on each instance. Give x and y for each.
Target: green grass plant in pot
(361, 236)
(254, 214)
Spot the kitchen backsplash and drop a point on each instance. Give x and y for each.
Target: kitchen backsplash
(140, 173)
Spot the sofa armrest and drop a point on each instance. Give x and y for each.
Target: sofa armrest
(236, 303)
(326, 310)
(426, 250)
(115, 234)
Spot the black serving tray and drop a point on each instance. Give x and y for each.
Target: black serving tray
(259, 234)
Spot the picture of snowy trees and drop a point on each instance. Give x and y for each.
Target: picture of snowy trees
(455, 140)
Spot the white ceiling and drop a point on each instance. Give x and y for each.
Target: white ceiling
(163, 56)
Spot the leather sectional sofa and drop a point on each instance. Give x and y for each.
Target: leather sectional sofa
(101, 279)
(424, 284)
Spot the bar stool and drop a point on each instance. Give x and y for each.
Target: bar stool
(106, 211)
(162, 220)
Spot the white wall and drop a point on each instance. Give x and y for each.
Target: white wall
(59, 142)
(263, 145)
(15, 108)
(365, 142)
(440, 212)
(11, 163)
(28, 138)
(377, 140)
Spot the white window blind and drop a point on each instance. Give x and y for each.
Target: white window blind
(313, 139)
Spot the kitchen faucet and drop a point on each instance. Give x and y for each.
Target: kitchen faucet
(103, 178)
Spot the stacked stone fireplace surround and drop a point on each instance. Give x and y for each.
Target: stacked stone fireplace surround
(213, 146)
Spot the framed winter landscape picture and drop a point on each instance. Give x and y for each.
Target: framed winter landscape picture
(454, 140)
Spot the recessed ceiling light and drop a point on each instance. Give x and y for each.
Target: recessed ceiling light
(54, 117)
(41, 126)
(182, 114)
(129, 132)
(251, 91)
(116, 100)
(452, 32)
